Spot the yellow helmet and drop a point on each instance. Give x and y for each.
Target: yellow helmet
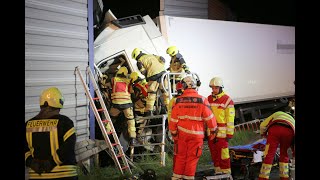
(136, 75)
(172, 50)
(135, 53)
(189, 82)
(53, 97)
(216, 81)
(123, 70)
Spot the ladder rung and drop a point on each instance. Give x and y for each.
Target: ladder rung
(100, 109)
(105, 121)
(109, 132)
(96, 98)
(120, 155)
(125, 167)
(114, 144)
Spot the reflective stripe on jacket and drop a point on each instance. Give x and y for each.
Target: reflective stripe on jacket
(121, 91)
(190, 113)
(222, 107)
(278, 117)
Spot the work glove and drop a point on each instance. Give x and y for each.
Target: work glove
(36, 166)
(47, 165)
(212, 136)
(174, 136)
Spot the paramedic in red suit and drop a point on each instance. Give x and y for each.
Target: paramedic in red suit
(189, 116)
(279, 128)
(222, 107)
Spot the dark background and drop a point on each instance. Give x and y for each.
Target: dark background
(276, 12)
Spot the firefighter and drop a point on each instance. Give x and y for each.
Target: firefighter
(177, 65)
(121, 100)
(190, 114)
(179, 89)
(279, 128)
(140, 88)
(50, 140)
(222, 107)
(153, 67)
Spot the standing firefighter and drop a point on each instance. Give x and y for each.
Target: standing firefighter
(177, 64)
(121, 100)
(50, 140)
(190, 114)
(279, 128)
(152, 66)
(222, 107)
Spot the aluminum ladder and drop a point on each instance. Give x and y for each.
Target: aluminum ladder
(114, 149)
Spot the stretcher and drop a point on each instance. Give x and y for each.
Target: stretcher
(246, 160)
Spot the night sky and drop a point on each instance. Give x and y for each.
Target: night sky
(276, 12)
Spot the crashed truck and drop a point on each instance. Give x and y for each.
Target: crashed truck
(255, 61)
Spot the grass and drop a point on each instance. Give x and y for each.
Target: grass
(165, 172)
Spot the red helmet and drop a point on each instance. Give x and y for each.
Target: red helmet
(179, 88)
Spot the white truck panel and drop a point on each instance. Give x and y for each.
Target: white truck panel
(256, 61)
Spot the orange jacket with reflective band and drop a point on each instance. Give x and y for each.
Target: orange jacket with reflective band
(121, 90)
(278, 117)
(190, 114)
(222, 107)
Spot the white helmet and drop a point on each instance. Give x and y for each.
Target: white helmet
(216, 81)
(189, 82)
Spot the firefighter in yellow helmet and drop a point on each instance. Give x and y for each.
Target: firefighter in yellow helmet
(177, 64)
(153, 67)
(50, 140)
(140, 88)
(121, 100)
(222, 107)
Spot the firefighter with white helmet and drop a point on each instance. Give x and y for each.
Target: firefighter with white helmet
(153, 67)
(121, 100)
(50, 140)
(190, 116)
(222, 107)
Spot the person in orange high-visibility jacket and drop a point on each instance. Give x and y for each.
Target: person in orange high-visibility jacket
(153, 67)
(223, 108)
(121, 100)
(190, 116)
(279, 128)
